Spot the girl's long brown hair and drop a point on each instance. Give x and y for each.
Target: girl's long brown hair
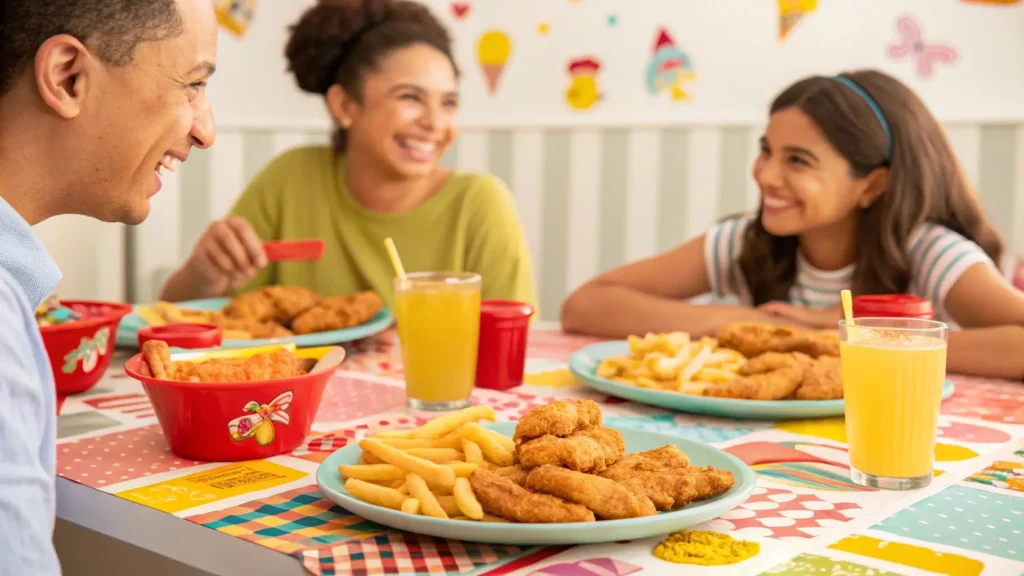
(926, 184)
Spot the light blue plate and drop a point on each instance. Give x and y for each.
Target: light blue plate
(700, 454)
(583, 364)
(127, 331)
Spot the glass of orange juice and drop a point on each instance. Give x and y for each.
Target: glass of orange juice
(893, 370)
(438, 316)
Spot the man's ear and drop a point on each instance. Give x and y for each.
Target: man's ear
(61, 74)
(877, 182)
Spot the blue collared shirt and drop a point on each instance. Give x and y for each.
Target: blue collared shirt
(28, 412)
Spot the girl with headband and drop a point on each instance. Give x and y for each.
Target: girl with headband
(386, 73)
(859, 189)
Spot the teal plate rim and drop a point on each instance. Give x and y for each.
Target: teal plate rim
(330, 483)
(583, 365)
(127, 330)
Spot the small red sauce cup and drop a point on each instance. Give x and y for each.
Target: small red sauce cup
(892, 306)
(501, 356)
(191, 336)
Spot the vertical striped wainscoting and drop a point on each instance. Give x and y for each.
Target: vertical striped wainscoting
(589, 198)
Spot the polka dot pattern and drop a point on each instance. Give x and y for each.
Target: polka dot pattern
(350, 397)
(117, 457)
(966, 518)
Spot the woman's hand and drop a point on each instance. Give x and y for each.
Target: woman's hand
(227, 255)
(816, 318)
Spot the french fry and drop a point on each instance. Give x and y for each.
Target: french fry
(410, 506)
(439, 455)
(466, 500)
(236, 335)
(398, 485)
(378, 495)
(447, 503)
(445, 424)
(505, 442)
(491, 448)
(463, 469)
(472, 451)
(428, 502)
(453, 441)
(429, 471)
(373, 472)
(367, 458)
(440, 490)
(490, 518)
(404, 488)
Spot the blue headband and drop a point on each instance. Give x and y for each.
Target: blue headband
(874, 108)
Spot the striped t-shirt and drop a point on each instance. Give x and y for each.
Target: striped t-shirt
(938, 256)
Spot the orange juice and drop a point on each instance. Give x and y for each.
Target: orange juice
(892, 383)
(438, 318)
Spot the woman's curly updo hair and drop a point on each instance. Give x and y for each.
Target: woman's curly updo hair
(340, 41)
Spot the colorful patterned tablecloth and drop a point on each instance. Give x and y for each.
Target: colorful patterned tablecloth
(805, 513)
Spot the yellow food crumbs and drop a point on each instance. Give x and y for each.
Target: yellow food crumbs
(704, 548)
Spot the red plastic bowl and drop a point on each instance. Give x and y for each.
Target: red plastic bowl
(183, 335)
(80, 351)
(232, 421)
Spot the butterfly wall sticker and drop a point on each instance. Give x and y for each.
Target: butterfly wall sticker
(924, 54)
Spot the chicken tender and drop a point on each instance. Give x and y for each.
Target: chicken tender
(338, 312)
(770, 376)
(276, 365)
(822, 380)
(503, 497)
(606, 498)
(279, 304)
(751, 340)
(516, 474)
(664, 458)
(590, 450)
(664, 475)
(559, 418)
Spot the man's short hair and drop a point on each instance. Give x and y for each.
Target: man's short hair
(110, 28)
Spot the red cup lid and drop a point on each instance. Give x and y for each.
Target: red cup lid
(183, 335)
(891, 304)
(506, 309)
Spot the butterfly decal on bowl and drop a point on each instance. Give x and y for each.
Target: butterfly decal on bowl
(910, 44)
(259, 425)
(88, 352)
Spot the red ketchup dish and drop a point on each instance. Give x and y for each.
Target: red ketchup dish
(234, 421)
(892, 306)
(80, 350)
(501, 354)
(191, 336)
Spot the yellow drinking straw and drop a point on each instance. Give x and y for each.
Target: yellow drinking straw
(389, 245)
(844, 295)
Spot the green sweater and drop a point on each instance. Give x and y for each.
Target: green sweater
(470, 225)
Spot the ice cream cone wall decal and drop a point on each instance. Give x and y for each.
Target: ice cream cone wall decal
(669, 69)
(791, 12)
(235, 15)
(493, 50)
(583, 91)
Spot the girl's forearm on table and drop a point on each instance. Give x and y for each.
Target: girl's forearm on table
(996, 352)
(617, 312)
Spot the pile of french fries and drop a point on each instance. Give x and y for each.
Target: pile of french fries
(673, 362)
(163, 313)
(426, 470)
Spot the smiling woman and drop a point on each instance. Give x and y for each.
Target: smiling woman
(386, 72)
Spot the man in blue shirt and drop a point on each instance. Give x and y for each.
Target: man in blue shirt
(98, 98)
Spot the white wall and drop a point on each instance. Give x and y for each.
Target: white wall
(739, 62)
